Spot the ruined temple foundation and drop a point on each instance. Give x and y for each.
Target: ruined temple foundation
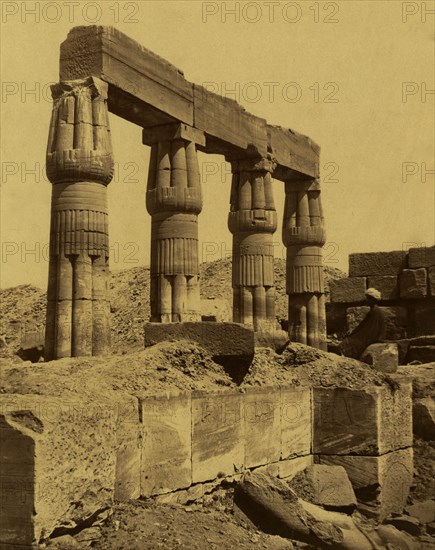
(80, 166)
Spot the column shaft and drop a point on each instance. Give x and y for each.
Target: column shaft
(174, 200)
(80, 166)
(304, 236)
(252, 221)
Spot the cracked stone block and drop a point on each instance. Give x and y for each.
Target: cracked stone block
(166, 443)
(348, 289)
(413, 283)
(421, 257)
(369, 421)
(388, 286)
(57, 465)
(431, 280)
(218, 446)
(262, 426)
(383, 357)
(128, 453)
(290, 467)
(381, 483)
(368, 264)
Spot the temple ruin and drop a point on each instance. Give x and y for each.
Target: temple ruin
(101, 71)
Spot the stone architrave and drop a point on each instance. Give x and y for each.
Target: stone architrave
(80, 166)
(252, 221)
(174, 200)
(304, 235)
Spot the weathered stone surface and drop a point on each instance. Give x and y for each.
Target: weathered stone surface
(424, 318)
(423, 511)
(348, 290)
(295, 422)
(390, 537)
(57, 464)
(262, 426)
(129, 451)
(368, 264)
(381, 483)
(423, 412)
(431, 280)
(406, 523)
(396, 320)
(402, 348)
(413, 283)
(166, 443)
(383, 357)
(275, 339)
(221, 340)
(371, 421)
(217, 435)
(424, 354)
(388, 286)
(327, 486)
(216, 309)
(291, 467)
(421, 257)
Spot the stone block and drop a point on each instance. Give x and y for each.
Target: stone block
(431, 280)
(421, 257)
(217, 435)
(296, 421)
(424, 511)
(424, 418)
(383, 357)
(262, 426)
(57, 465)
(226, 342)
(413, 283)
(424, 318)
(369, 421)
(166, 443)
(129, 451)
(396, 320)
(291, 467)
(381, 483)
(388, 286)
(348, 290)
(376, 263)
(325, 485)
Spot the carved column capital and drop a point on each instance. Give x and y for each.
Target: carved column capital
(79, 144)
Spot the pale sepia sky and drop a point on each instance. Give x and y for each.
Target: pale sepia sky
(335, 71)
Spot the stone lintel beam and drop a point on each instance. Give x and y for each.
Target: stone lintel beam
(147, 90)
(169, 132)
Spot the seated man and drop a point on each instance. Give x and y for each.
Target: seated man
(369, 331)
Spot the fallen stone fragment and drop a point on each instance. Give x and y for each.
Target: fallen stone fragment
(423, 412)
(275, 508)
(406, 523)
(392, 538)
(423, 511)
(383, 357)
(327, 486)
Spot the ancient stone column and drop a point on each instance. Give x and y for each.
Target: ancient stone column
(304, 235)
(253, 221)
(174, 200)
(80, 166)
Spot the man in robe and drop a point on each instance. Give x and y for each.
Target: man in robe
(369, 331)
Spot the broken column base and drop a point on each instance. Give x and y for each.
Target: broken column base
(229, 344)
